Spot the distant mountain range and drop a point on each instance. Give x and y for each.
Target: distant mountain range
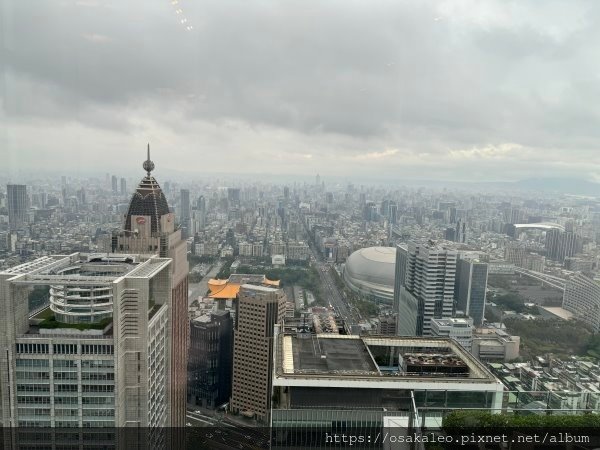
(562, 185)
(572, 186)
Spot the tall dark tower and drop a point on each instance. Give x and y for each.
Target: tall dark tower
(149, 227)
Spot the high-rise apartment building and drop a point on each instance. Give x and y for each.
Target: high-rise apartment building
(17, 203)
(98, 355)
(562, 244)
(470, 288)
(150, 228)
(582, 298)
(424, 286)
(259, 310)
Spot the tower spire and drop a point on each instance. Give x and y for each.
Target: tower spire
(148, 164)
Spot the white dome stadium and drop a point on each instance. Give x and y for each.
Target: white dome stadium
(370, 271)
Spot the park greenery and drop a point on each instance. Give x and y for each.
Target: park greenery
(562, 338)
(204, 259)
(464, 419)
(52, 323)
(514, 302)
(307, 278)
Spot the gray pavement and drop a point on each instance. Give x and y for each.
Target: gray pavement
(199, 289)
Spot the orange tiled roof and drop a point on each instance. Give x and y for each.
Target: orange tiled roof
(223, 289)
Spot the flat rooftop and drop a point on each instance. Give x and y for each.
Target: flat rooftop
(310, 356)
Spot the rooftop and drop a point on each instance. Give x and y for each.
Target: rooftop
(228, 289)
(332, 355)
(303, 355)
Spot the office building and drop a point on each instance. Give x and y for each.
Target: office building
(494, 344)
(259, 310)
(18, 205)
(210, 359)
(522, 257)
(470, 288)
(185, 207)
(150, 227)
(99, 354)
(424, 286)
(325, 379)
(460, 235)
(123, 186)
(582, 298)
(233, 196)
(387, 325)
(459, 329)
(114, 184)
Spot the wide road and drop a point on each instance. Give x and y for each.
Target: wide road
(331, 291)
(196, 290)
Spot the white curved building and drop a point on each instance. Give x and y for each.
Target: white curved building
(87, 304)
(370, 272)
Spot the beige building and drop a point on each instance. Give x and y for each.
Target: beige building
(98, 355)
(259, 310)
(150, 228)
(493, 344)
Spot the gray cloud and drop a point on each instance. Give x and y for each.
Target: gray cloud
(407, 88)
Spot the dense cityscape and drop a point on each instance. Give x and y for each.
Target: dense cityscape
(268, 304)
(299, 224)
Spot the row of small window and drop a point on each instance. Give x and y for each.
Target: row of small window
(34, 363)
(85, 376)
(45, 400)
(65, 349)
(85, 412)
(64, 388)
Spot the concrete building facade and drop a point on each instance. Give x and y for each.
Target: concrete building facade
(259, 310)
(149, 227)
(115, 373)
(425, 276)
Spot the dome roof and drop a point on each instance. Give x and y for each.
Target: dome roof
(371, 271)
(147, 200)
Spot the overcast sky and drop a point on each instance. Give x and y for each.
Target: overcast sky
(458, 89)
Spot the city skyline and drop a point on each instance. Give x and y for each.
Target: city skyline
(455, 90)
(352, 216)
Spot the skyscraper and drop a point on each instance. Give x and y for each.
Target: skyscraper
(470, 288)
(98, 356)
(562, 244)
(114, 184)
(233, 195)
(210, 359)
(393, 213)
(259, 309)
(460, 234)
(185, 207)
(17, 205)
(150, 227)
(123, 186)
(425, 275)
